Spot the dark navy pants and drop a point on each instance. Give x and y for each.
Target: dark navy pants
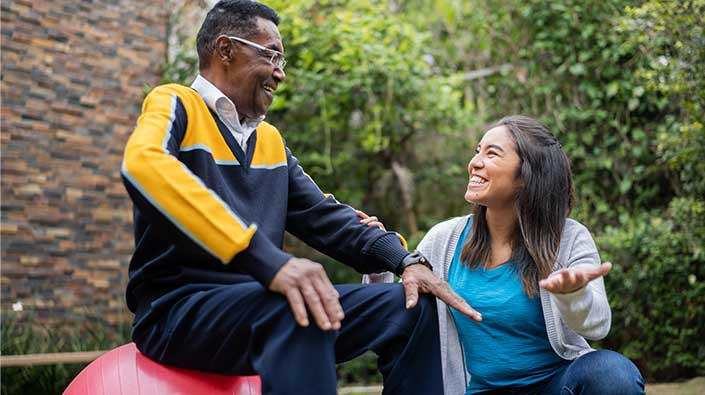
(600, 372)
(244, 329)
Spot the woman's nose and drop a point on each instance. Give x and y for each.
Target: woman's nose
(475, 162)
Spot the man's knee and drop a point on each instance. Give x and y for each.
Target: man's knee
(393, 297)
(424, 313)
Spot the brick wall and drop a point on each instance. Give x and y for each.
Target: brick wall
(72, 84)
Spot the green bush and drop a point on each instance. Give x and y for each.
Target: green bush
(364, 109)
(657, 290)
(21, 335)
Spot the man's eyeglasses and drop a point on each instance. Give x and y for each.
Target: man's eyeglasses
(276, 58)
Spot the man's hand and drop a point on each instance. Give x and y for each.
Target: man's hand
(419, 278)
(305, 283)
(572, 279)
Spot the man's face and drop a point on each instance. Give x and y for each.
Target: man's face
(251, 78)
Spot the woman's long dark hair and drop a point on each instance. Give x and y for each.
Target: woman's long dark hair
(543, 202)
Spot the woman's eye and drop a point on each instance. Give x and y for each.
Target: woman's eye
(491, 153)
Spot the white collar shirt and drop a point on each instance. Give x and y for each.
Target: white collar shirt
(226, 111)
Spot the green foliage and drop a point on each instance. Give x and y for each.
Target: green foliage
(671, 35)
(359, 371)
(657, 289)
(361, 96)
(182, 69)
(20, 335)
(578, 76)
(657, 292)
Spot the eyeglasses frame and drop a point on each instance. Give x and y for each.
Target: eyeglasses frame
(279, 64)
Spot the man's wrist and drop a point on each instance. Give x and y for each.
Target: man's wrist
(415, 258)
(387, 250)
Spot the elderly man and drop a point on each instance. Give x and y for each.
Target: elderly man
(214, 189)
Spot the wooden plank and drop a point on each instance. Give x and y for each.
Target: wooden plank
(368, 390)
(487, 71)
(49, 359)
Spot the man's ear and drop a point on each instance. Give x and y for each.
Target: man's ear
(224, 49)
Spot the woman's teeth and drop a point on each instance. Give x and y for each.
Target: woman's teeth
(477, 180)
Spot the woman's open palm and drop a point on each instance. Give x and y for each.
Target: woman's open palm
(573, 278)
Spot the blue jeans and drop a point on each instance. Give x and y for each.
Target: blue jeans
(601, 372)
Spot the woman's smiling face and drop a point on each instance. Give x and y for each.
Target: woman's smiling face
(493, 170)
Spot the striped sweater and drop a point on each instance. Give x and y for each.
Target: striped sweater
(207, 212)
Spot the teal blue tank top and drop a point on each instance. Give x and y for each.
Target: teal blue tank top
(510, 346)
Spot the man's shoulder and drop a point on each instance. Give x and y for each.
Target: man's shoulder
(266, 132)
(188, 96)
(266, 127)
(177, 89)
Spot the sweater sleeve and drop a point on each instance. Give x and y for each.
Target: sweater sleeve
(177, 200)
(334, 228)
(586, 311)
(428, 247)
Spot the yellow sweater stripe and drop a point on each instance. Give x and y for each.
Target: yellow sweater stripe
(173, 189)
(269, 151)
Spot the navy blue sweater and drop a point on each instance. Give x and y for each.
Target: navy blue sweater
(205, 212)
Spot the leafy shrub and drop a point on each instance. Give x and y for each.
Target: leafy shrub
(657, 290)
(364, 108)
(21, 335)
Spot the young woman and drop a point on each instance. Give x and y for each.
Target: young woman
(531, 272)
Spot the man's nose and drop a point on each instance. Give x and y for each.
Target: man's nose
(279, 74)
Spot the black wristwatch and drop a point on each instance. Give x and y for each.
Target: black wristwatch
(413, 259)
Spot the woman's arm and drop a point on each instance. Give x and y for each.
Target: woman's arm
(578, 290)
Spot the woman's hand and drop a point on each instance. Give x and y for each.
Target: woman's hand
(369, 221)
(571, 279)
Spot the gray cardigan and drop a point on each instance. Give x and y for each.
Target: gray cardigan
(570, 318)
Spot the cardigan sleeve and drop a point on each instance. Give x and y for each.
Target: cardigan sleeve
(586, 311)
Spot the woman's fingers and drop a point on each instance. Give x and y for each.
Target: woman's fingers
(370, 220)
(571, 279)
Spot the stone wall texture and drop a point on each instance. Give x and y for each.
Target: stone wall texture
(73, 78)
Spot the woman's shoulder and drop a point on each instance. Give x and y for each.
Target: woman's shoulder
(440, 236)
(449, 225)
(444, 229)
(576, 237)
(573, 228)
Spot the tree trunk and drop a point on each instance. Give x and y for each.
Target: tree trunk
(406, 185)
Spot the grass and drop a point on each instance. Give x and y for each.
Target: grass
(694, 386)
